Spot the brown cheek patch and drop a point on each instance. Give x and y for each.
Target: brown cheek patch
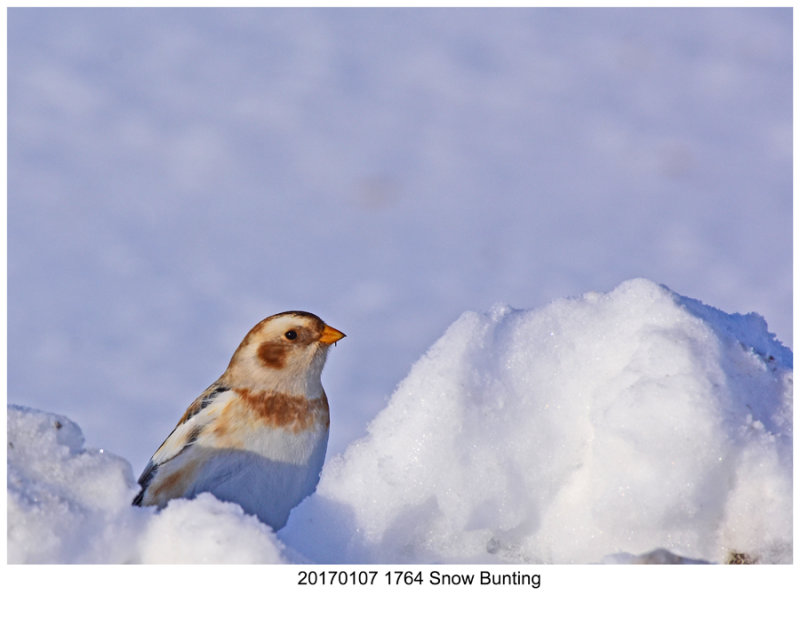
(294, 413)
(273, 355)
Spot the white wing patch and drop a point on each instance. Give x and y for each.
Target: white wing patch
(198, 415)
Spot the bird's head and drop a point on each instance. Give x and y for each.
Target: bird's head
(284, 353)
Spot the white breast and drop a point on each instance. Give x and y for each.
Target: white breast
(276, 471)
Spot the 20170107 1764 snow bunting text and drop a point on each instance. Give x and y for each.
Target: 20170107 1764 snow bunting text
(411, 578)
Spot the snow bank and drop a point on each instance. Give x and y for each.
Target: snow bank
(633, 426)
(584, 431)
(68, 504)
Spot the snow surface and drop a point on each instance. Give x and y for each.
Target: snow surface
(632, 426)
(176, 175)
(69, 504)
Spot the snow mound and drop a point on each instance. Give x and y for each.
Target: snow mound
(68, 504)
(636, 426)
(595, 428)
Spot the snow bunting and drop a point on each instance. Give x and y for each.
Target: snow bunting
(257, 436)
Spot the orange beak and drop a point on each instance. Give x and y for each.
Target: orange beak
(330, 335)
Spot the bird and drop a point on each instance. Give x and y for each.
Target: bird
(257, 435)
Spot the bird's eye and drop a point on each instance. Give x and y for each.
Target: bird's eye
(290, 335)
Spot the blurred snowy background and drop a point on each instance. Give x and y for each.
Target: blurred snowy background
(176, 175)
